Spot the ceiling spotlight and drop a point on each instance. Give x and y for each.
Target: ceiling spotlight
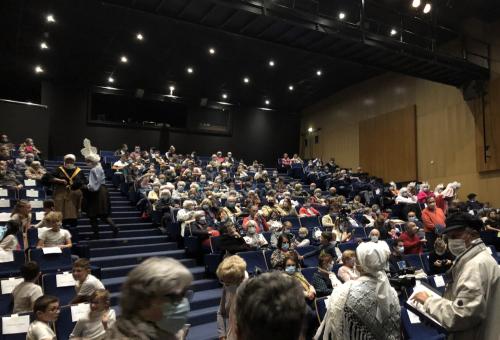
(290, 87)
(415, 3)
(319, 73)
(50, 18)
(189, 70)
(139, 36)
(43, 45)
(341, 16)
(211, 50)
(393, 32)
(310, 129)
(271, 63)
(427, 8)
(246, 80)
(111, 79)
(267, 102)
(124, 59)
(224, 96)
(38, 69)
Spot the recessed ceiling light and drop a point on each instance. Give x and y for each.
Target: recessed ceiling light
(246, 80)
(271, 63)
(267, 102)
(43, 45)
(139, 36)
(189, 70)
(211, 50)
(341, 15)
(50, 18)
(393, 32)
(427, 8)
(38, 69)
(124, 59)
(319, 73)
(224, 96)
(111, 79)
(415, 3)
(290, 87)
(310, 129)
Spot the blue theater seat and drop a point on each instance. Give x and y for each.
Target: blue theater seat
(8, 269)
(308, 273)
(254, 260)
(65, 294)
(418, 331)
(293, 219)
(414, 261)
(359, 232)
(320, 304)
(345, 246)
(64, 324)
(51, 262)
(309, 222)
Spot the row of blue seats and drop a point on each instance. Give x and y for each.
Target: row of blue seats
(23, 194)
(47, 262)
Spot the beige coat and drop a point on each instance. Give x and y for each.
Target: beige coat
(470, 307)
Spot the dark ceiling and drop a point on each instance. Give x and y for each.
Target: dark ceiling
(88, 38)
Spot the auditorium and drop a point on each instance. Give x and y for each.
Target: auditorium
(250, 169)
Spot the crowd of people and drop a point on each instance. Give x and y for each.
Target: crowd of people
(248, 207)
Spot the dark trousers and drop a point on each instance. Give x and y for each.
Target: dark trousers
(95, 224)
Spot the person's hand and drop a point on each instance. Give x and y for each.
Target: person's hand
(20, 186)
(301, 257)
(311, 295)
(423, 240)
(420, 297)
(438, 263)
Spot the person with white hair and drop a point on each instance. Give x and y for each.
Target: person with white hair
(405, 197)
(365, 308)
(66, 181)
(35, 171)
(186, 214)
(154, 302)
(252, 238)
(97, 204)
(424, 192)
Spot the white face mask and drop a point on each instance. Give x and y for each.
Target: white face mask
(456, 246)
(374, 238)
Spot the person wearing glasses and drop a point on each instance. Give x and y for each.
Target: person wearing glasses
(154, 302)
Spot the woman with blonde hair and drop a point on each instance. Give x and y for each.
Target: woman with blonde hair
(348, 271)
(231, 273)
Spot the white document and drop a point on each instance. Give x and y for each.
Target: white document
(78, 311)
(413, 317)
(4, 217)
(4, 203)
(9, 284)
(29, 183)
(52, 250)
(422, 288)
(6, 256)
(439, 281)
(36, 204)
(31, 193)
(39, 215)
(4, 192)
(15, 324)
(65, 280)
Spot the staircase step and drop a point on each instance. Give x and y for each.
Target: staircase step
(206, 298)
(203, 316)
(204, 331)
(123, 226)
(117, 220)
(134, 213)
(123, 241)
(123, 234)
(107, 273)
(122, 260)
(132, 249)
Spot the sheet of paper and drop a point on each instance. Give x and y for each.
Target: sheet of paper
(4, 217)
(6, 256)
(413, 317)
(39, 215)
(65, 280)
(439, 281)
(29, 183)
(498, 235)
(52, 250)
(15, 324)
(4, 203)
(9, 284)
(4, 192)
(77, 311)
(422, 288)
(36, 204)
(31, 193)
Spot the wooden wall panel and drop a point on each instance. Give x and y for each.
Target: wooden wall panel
(387, 145)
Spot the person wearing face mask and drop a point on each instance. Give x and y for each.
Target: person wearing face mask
(348, 271)
(412, 243)
(324, 279)
(231, 210)
(231, 241)
(412, 217)
(308, 210)
(468, 308)
(279, 255)
(292, 268)
(327, 245)
(302, 240)
(67, 180)
(154, 302)
(374, 235)
(231, 273)
(440, 260)
(434, 221)
(396, 259)
(260, 222)
(252, 238)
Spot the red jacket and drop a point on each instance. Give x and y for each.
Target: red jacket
(412, 244)
(308, 211)
(431, 218)
(261, 223)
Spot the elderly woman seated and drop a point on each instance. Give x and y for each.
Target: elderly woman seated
(348, 271)
(154, 302)
(29, 147)
(254, 239)
(35, 171)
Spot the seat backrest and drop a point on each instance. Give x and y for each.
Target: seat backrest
(60, 285)
(320, 304)
(65, 322)
(293, 219)
(254, 259)
(51, 261)
(11, 268)
(308, 273)
(358, 232)
(309, 222)
(23, 319)
(424, 257)
(414, 260)
(345, 246)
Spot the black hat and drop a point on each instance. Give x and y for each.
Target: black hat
(462, 220)
(471, 196)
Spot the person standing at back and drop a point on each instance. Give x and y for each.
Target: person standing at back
(434, 220)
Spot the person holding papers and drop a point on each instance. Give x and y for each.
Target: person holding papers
(55, 236)
(469, 308)
(46, 311)
(26, 293)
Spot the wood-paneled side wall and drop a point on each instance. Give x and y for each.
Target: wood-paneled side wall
(388, 144)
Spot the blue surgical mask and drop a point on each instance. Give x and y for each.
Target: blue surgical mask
(174, 316)
(290, 270)
(401, 249)
(285, 246)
